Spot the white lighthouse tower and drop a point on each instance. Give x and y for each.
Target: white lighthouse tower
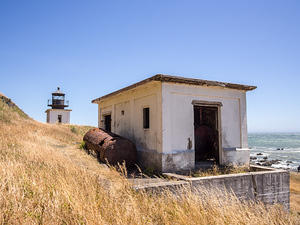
(58, 113)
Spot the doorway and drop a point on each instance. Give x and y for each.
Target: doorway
(107, 122)
(59, 118)
(206, 130)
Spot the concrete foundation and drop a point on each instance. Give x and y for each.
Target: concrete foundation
(178, 161)
(150, 160)
(267, 185)
(236, 156)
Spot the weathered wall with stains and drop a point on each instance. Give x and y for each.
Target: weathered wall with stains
(168, 145)
(178, 122)
(129, 123)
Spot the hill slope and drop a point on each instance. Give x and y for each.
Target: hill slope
(46, 179)
(9, 110)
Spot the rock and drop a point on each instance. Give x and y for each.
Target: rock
(253, 158)
(110, 147)
(268, 163)
(275, 161)
(265, 162)
(259, 153)
(265, 157)
(289, 161)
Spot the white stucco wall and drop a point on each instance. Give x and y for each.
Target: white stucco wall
(178, 119)
(52, 115)
(130, 125)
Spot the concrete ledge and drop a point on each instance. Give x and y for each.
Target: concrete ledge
(257, 168)
(173, 186)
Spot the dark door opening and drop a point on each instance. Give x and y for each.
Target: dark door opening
(107, 123)
(206, 133)
(59, 118)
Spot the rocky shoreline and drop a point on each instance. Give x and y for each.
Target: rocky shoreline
(262, 160)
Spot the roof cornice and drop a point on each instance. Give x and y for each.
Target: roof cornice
(181, 80)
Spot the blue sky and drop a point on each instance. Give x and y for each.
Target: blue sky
(91, 48)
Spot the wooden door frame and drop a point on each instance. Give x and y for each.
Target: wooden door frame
(218, 105)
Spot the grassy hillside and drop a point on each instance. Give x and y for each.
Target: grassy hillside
(46, 179)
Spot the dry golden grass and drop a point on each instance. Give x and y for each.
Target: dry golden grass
(216, 170)
(295, 192)
(46, 179)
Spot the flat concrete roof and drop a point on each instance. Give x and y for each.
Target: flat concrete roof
(180, 80)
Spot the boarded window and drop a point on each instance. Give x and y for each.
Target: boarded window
(146, 118)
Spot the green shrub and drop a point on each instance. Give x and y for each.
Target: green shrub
(74, 130)
(83, 145)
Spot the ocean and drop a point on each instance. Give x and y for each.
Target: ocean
(284, 147)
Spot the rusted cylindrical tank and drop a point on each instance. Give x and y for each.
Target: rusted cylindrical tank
(110, 147)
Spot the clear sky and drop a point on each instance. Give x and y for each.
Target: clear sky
(91, 48)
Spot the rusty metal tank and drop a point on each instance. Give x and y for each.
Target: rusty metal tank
(110, 147)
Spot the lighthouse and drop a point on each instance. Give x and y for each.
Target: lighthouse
(58, 113)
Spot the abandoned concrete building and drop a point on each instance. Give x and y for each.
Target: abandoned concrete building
(179, 122)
